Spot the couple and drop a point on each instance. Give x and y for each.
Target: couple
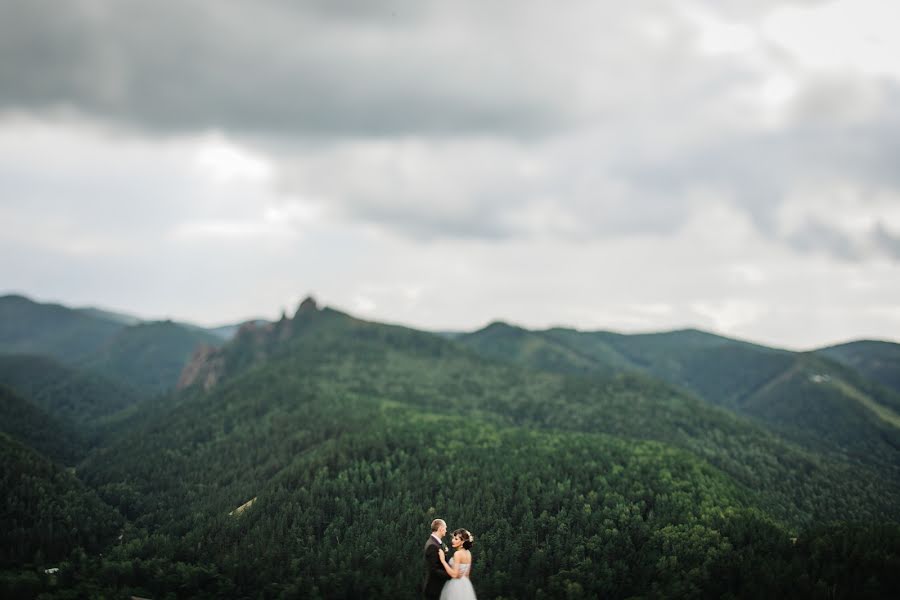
(443, 580)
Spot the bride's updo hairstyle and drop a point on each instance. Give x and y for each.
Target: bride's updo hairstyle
(467, 538)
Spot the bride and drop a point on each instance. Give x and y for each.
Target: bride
(459, 568)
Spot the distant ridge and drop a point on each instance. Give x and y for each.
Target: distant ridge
(876, 359)
(28, 327)
(149, 355)
(806, 396)
(116, 317)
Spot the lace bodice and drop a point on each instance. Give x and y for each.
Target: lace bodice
(463, 569)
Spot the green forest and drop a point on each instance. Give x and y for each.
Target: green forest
(588, 465)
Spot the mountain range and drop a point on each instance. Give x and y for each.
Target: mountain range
(678, 464)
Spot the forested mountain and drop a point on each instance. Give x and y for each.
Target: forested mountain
(809, 398)
(69, 335)
(69, 395)
(33, 427)
(46, 513)
(685, 358)
(147, 356)
(875, 360)
(351, 436)
(426, 372)
(151, 355)
(617, 486)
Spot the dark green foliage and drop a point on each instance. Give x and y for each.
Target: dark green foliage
(25, 422)
(716, 368)
(824, 406)
(827, 407)
(150, 356)
(558, 509)
(27, 327)
(875, 360)
(80, 398)
(352, 436)
(46, 513)
(845, 560)
(576, 354)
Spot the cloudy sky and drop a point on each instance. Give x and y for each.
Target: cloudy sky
(633, 166)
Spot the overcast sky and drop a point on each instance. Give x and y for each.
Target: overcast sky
(631, 166)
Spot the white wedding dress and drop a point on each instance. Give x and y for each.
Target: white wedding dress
(459, 588)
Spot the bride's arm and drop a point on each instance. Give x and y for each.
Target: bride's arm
(454, 573)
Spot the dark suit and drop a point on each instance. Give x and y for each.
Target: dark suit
(435, 574)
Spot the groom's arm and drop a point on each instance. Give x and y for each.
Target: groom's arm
(434, 562)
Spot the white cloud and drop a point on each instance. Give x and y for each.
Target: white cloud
(226, 163)
(718, 36)
(843, 35)
(728, 315)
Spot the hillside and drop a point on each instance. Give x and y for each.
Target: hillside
(82, 399)
(337, 426)
(68, 335)
(150, 356)
(875, 360)
(428, 373)
(351, 436)
(33, 427)
(46, 514)
(139, 358)
(830, 406)
(809, 399)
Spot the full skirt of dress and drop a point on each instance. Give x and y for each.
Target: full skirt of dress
(458, 589)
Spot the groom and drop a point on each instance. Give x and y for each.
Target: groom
(435, 575)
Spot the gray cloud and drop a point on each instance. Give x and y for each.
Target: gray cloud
(274, 67)
(818, 236)
(887, 241)
(494, 121)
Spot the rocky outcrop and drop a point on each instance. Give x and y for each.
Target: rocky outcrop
(205, 368)
(253, 343)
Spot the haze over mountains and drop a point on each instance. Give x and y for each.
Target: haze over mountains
(587, 463)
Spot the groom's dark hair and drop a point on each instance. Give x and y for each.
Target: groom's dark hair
(436, 524)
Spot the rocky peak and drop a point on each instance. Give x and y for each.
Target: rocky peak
(308, 305)
(253, 343)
